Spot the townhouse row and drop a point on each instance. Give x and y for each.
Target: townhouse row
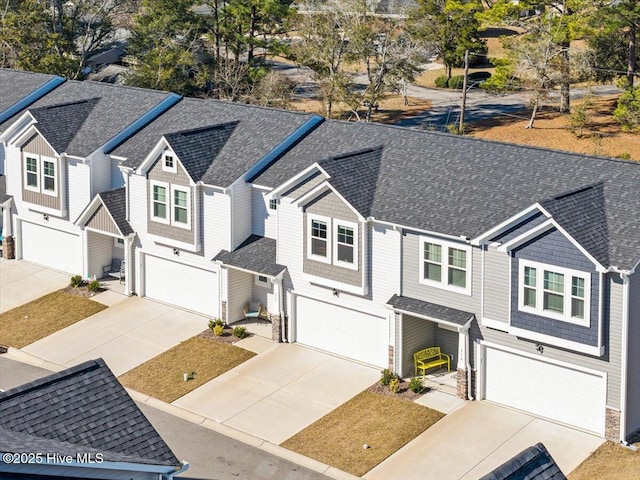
(367, 241)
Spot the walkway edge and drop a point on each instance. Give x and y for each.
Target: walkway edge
(243, 437)
(31, 359)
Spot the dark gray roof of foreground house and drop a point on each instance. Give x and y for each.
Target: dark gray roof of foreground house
(431, 310)
(116, 202)
(255, 254)
(534, 463)
(16, 85)
(83, 409)
(243, 134)
(461, 186)
(102, 110)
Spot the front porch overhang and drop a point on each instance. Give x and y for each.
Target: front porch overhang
(433, 312)
(256, 255)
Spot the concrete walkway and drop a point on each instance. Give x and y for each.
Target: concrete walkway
(125, 335)
(280, 391)
(476, 438)
(22, 282)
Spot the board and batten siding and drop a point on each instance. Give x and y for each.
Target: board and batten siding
(38, 145)
(239, 290)
(241, 211)
(633, 359)
(411, 286)
(608, 363)
(100, 251)
(101, 220)
(496, 286)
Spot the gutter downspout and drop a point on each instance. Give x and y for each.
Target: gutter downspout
(185, 467)
(625, 357)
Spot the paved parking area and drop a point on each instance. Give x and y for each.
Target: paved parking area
(125, 335)
(280, 391)
(22, 282)
(478, 437)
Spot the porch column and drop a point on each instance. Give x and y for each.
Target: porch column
(85, 253)
(277, 330)
(8, 242)
(463, 363)
(128, 265)
(224, 282)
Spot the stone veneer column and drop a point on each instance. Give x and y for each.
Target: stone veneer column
(8, 248)
(391, 358)
(223, 313)
(612, 425)
(462, 389)
(276, 328)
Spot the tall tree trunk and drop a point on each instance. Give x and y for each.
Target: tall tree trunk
(565, 82)
(216, 29)
(252, 33)
(631, 65)
(534, 112)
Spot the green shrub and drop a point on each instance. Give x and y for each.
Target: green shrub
(94, 286)
(218, 330)
(76, 281)
(215, 323)
(624, 156)
(442, 81)
(456, 82)
(387, 376)
(240, 332)
(394, 385)
(415, 385)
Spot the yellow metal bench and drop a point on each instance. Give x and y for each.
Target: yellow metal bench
(429, 358)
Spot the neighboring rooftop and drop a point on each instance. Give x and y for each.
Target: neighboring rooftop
(256, 254)
(241, 135)
(534, 463)
(83, 409)
(460, 186)
(16, 85)
(431, 310)
(86, 115)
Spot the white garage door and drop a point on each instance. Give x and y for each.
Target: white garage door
(52, 248)
(342, 331)
(556, 392)
(181, 285)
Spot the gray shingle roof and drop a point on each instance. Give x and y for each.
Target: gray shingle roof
(256, 254)
(86, 407)
(257, 131)
(115, 107)
(428, 309)
(3, 189)
(463, 186)
(15, 85)
(534, 463)
(116, 202)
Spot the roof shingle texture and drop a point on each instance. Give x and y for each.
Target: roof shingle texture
(84, 408)
(15, 85)
(116, 202)
(108, 110)
(256, 254)
(245, 134)
(428, 309)
(461, 186)
(534, 463)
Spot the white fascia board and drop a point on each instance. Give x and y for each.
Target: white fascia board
(457, 326)
(24, 121)
(88, 211)
(119, 158)
(526, 236)
(296, 179)
(319, 189)
(506, 225)
(434, 235)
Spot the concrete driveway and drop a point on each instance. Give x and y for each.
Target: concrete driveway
(279, 392)
(476, 438)
(21, 282)
(124, 335)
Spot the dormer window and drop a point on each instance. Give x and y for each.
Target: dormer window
(332, 241)
(169, 163)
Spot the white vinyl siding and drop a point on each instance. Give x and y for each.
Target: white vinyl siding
(241, 212)
(100, 252)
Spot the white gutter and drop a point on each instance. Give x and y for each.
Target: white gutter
(185, 467)
(625, 358)
(420, 230)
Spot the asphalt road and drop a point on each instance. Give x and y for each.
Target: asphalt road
(210, 455)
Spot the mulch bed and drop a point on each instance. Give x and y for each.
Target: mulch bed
(403, 392)
(226, 337)
(82, 291)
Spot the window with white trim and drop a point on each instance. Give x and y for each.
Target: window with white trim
(40, 174)
(332, 241)
(554, 292)
(345, 244)
(445, 265)
(169, 163)
(159, 202)
(319, 239)
(181, 215)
